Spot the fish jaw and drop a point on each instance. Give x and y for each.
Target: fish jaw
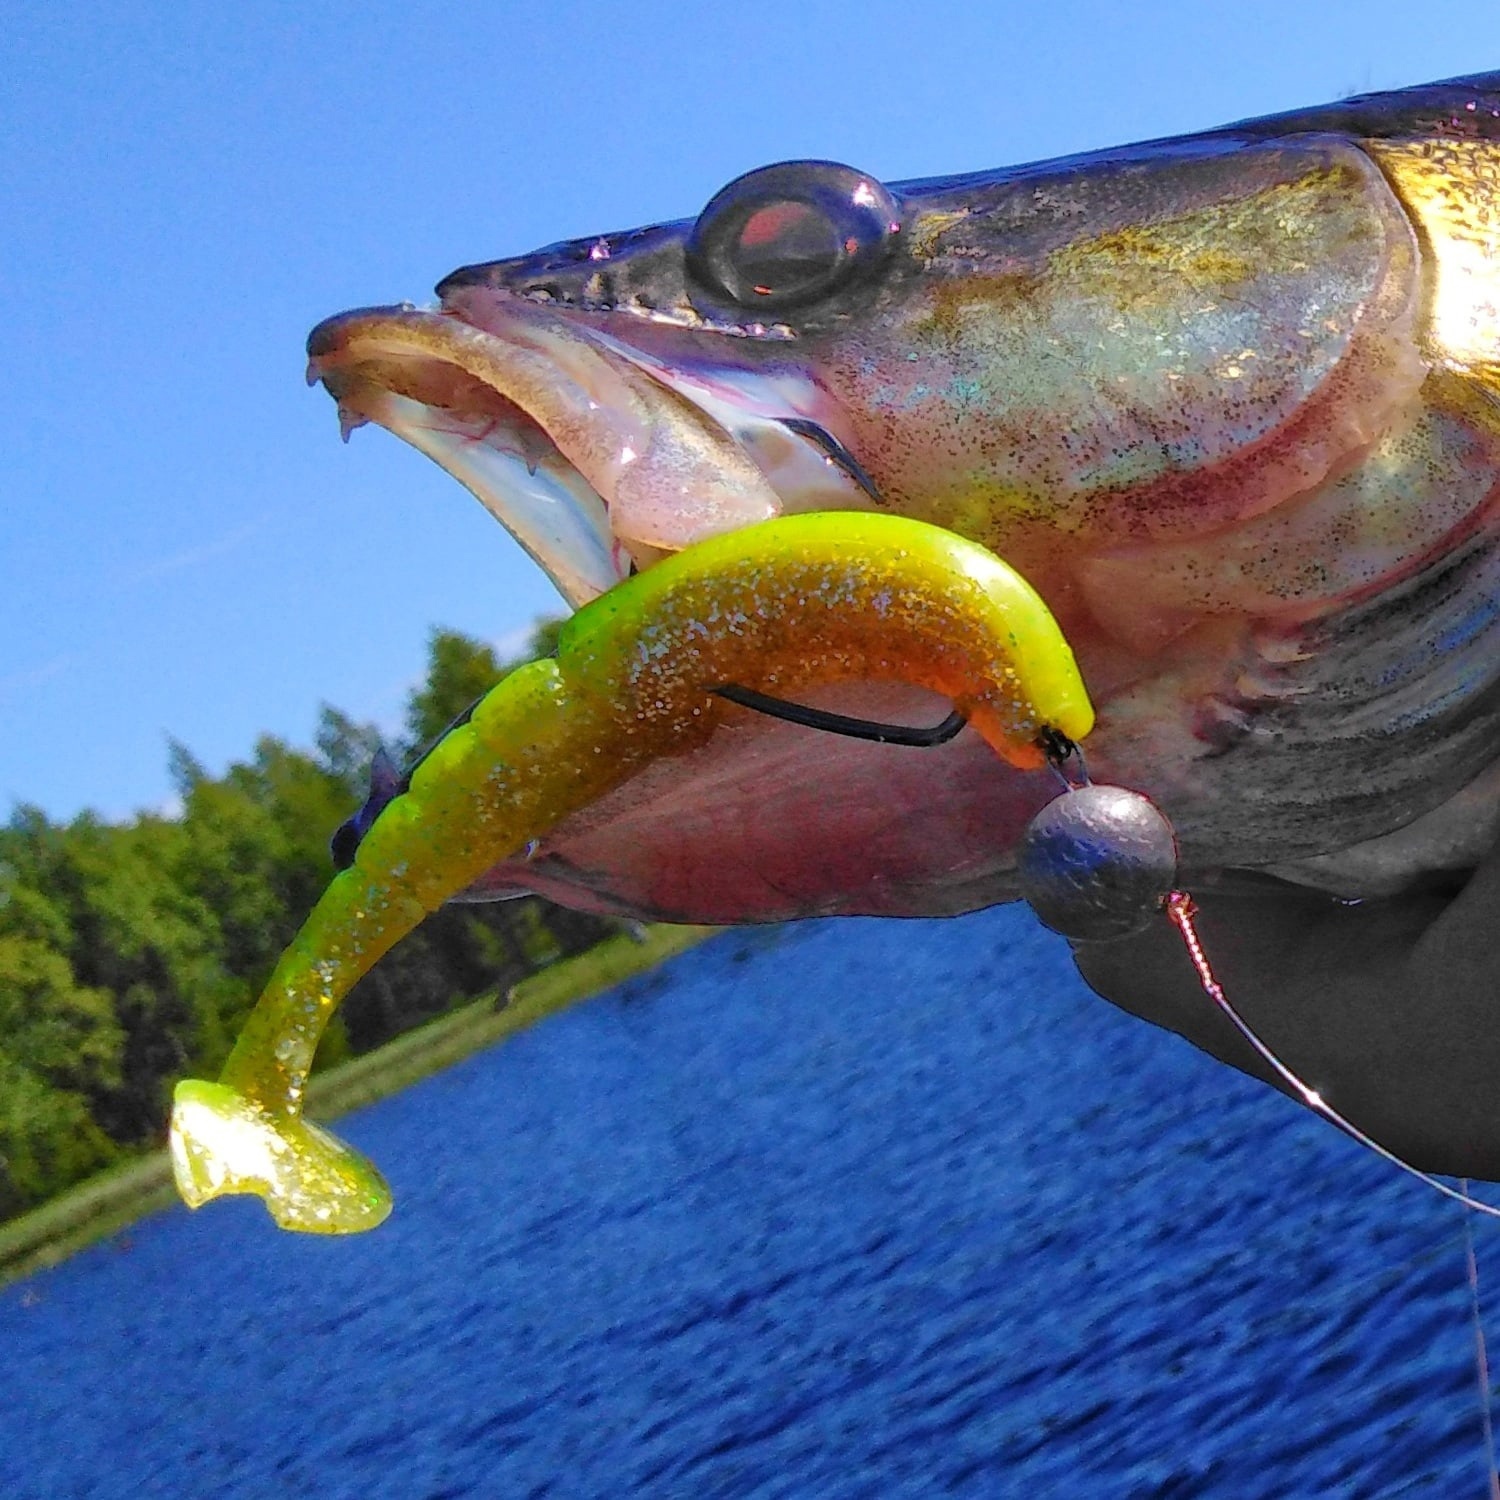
(599, 458)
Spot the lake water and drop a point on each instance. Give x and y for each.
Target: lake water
(846, 1209)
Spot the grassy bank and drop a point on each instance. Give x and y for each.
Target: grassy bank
(109, 1202)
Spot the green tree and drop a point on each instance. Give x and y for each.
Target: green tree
(61, 1051)
(544, 637)
(346, 749)
(48, 1139)
(459, 670)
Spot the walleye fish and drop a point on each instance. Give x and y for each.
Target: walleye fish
(1228, 402)
(1191, 447)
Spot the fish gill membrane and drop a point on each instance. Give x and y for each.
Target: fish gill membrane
(787, 604)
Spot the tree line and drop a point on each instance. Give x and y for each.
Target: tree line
(131, 953)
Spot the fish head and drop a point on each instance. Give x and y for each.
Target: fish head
(1048, 362)
(1182, 387)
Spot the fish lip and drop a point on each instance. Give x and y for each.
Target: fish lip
(598, 456)
(440, 384)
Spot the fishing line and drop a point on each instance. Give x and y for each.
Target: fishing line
(1481, 1357)
(1181, 910)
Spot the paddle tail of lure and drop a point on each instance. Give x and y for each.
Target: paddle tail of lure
(789, 603)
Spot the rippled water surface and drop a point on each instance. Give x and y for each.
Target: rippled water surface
(847, 1209)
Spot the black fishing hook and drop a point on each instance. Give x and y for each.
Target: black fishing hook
(844, 724)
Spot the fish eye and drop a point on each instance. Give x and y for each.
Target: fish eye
(787, 235)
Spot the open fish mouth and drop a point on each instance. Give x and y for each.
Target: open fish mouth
(598, 457)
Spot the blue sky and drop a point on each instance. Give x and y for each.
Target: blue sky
(186, 549)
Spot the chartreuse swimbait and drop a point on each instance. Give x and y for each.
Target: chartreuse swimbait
(786, 604)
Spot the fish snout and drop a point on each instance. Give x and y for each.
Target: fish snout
(640, 271)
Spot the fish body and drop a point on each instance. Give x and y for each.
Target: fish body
(1230, 403)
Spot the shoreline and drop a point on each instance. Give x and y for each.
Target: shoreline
(114, 1199)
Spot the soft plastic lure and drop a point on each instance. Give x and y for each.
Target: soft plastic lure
(780, 606)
